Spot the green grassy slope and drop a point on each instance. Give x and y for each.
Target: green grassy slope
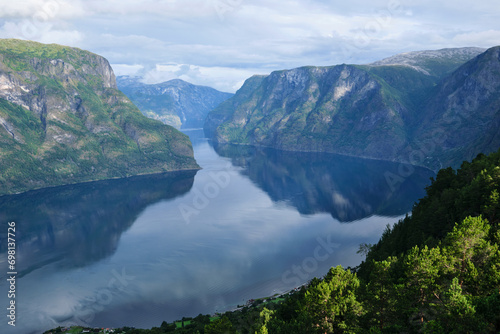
(63, 121)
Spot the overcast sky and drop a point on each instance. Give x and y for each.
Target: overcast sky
(220, 43)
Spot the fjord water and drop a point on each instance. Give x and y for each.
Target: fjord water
(251, 223)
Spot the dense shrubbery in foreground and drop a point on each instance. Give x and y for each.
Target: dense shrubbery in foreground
(436, 271)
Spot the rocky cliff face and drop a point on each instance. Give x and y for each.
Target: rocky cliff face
(62, 120)
(343, 109)
(175, 102)
(378, 111)
(224, 111)
(462, 118)
(49, 87)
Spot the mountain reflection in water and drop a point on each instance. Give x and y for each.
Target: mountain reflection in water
(81, 224)
(346, 187)
(186, 243)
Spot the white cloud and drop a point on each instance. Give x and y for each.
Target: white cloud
(41, 10)
(224, 41)
(46, 33)
(482, 38)
(125, 69)
(165, 8)
(63, 37)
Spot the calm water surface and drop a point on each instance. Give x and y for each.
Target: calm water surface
(251, 223)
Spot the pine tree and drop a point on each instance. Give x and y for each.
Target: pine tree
(331, 305)
(380, 294)
(421, 289)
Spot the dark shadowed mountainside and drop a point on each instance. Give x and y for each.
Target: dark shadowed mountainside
(428, 108)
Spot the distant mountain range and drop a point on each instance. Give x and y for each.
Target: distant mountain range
(63, 121)
(428, 108)
(175, 102)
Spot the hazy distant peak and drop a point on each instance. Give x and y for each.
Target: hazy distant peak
(175, 102)
(431, 61)
(127, 80)
(136, 81)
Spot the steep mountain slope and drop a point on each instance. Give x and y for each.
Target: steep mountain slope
(64, 121)
(174, 102)
(376, 111)
(343, 109)
(224, 110)
(462, 119)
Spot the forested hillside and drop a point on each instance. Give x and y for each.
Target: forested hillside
(436, 271)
